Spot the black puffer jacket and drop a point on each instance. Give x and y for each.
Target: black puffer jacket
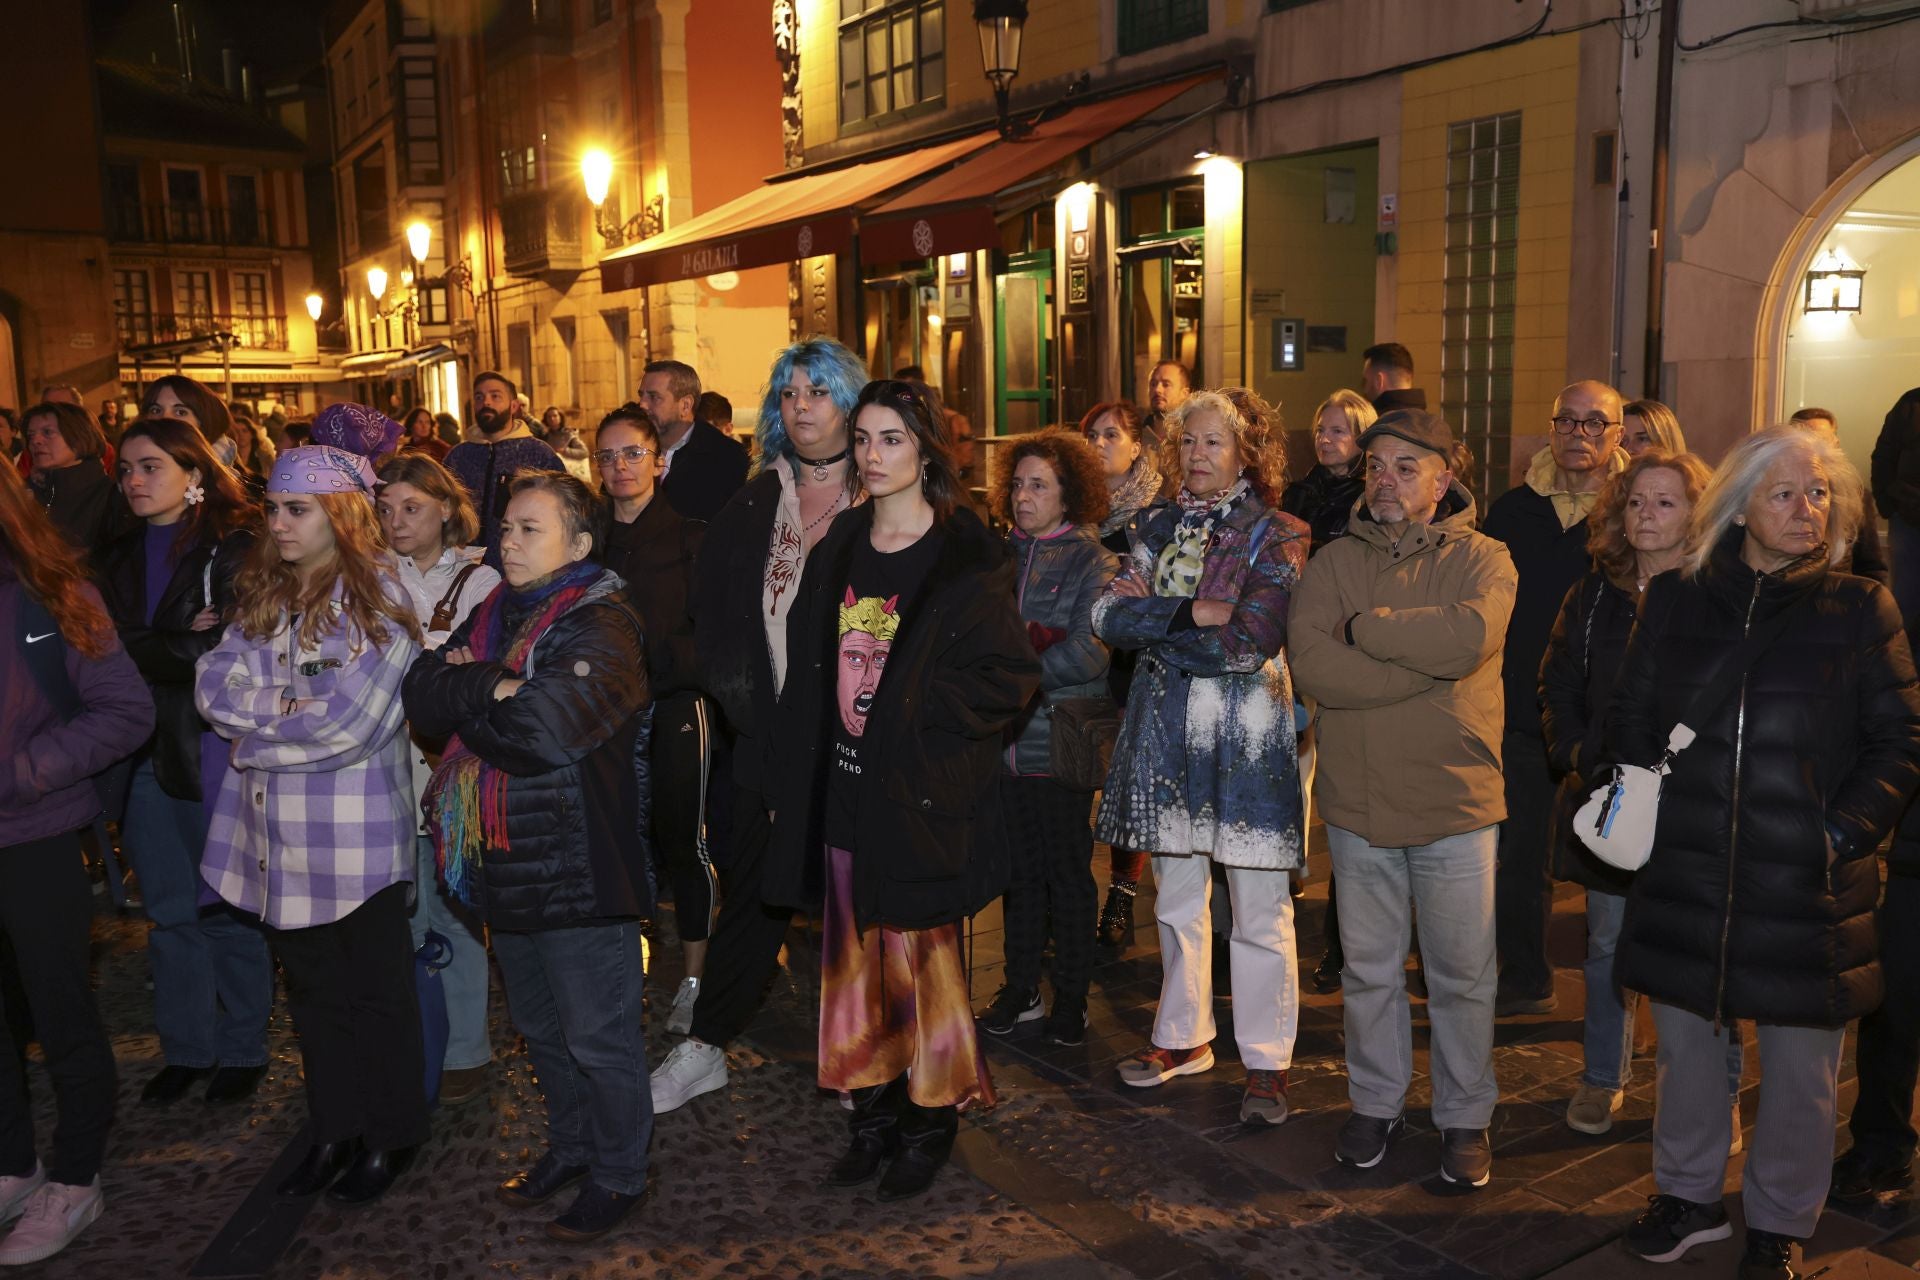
(84, 505)
(930, 845)
(166, 649)
(577, 801)
(1325, 501)
(1549, 560)
(728, 633)
(1758, 900)
(1576, 684)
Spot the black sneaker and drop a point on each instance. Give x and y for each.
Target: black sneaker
(1009, 1009)
(593, 1213)
(1859, 1177)
(1768, 1257)
(1067, 1024)
(1326, 977)
(1364, 1140)
(1523, 1004)
(1466, 1157)
(1671, 1226)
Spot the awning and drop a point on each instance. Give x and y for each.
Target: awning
(432, 353)
(776, 221)
(953, 212)
(368, 363)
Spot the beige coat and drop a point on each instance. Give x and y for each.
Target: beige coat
(1411, 713)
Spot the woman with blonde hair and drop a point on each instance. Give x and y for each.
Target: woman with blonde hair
(1205, 768)
(1758, 901)
(1649, 424)
(313, 830)
(1325, 495)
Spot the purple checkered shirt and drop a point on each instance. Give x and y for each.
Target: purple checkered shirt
(316, 814)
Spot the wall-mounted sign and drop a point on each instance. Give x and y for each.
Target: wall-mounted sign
(1328, 338)
(1078, 285)
(1268, 301)
(1389, 211)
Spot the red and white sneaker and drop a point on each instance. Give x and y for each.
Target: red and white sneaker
(1155, 1066)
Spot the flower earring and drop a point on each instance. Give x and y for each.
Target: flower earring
(195, 495)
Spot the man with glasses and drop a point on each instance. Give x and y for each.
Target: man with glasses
(1543, 521)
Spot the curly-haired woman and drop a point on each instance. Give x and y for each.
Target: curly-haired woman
(1205, 768)
(1052, 489)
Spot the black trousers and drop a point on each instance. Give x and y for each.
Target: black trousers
(1053, 892)
(1522, 889)
(1888, 1055)
(681, 752)
(46, 911)
(744, 951)
(350, 991)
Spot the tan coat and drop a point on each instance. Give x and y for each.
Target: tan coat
(1411, 713)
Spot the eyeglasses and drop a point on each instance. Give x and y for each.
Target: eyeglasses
(633, 455)
(1566, 425)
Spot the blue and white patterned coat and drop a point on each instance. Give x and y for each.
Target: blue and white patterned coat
(1206, 761)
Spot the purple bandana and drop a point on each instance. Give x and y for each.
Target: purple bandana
(357, 429)
(320, 468)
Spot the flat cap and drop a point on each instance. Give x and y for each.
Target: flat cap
(1415, 426)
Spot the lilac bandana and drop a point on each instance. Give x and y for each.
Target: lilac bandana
(320, 468)
(357, 429)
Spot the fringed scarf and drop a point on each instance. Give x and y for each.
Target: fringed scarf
(466, 802)
(1135, 493)
(1184, 558)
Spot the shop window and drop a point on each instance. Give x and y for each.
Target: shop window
(133, 306)
(1146, 25)
(1482, 245)
(892, 56)
(1163, 279)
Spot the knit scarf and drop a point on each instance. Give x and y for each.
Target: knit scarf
(1184, 558)
(466, 801)
(1138, 490)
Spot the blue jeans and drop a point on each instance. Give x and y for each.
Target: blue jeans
(1609, 1019)
(575, 995)
(465, 978)
(212, 978)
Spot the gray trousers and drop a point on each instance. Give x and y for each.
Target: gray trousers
(1451, 882)
(1789, 1160)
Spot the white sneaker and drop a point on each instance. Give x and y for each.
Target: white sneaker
(690, 1070)
(53, 1216)
(680, 1021)
(14, 1192)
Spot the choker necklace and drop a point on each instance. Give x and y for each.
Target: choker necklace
(820, 465)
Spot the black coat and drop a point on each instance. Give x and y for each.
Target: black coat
(707, 471)
(1576, 685)
(729, 636)
(1896, 460)
(84, 504)
(577, 802)
(1868, 555)
(1325, 501)
(1549, 560)
(930, 844)
(166, 649)
(1399, 398)
(658, 568)
(1758, 900)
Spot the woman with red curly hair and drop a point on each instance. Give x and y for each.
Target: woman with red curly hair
(73, 704)
(1052, 488)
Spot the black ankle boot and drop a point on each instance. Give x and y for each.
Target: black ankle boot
(1116, 917)
(325, 1161)
(875, 1127)
(926, 1139)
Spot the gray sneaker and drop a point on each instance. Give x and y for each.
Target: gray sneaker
(1266, 1098)
(1466, 1156)
(1364, 1140)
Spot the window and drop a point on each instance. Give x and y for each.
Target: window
(563, 328)
(892, 56)
(186, 205)
(520, 358)
(1163, 278)
(125, 218)
(1146, 25)
(193, 302)
(251, 324)
(1483, 231)
(243, 209)
(132, 306)
(350, 93)
(623, 388)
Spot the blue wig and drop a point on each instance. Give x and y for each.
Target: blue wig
(830, 365)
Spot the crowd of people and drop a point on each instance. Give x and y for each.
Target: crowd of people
(368, 701)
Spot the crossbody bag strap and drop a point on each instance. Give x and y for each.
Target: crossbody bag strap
(1731, 673)
(443, 618)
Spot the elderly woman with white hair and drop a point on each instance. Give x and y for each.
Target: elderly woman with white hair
(1757, 903)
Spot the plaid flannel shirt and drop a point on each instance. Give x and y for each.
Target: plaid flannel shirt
(316, 813)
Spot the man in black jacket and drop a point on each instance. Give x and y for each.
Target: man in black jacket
(1543, 521)
(1386, 372)
(702, 468)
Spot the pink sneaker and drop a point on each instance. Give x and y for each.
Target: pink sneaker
(54, 1215)
(14, 1192)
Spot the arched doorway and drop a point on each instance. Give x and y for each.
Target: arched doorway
(10, 393)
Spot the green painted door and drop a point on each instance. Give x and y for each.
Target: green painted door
(1023, 352)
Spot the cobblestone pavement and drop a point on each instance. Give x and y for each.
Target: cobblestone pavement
(1072, 1177)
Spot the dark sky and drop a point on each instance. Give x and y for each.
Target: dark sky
(279, 37)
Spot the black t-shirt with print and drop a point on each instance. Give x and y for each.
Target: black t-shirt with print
(880, 588)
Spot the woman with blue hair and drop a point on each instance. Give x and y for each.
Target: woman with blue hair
(744, 588)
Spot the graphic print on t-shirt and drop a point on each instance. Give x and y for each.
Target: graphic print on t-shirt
(867, 627)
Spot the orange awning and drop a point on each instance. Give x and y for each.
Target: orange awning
(776, 221)
(954, 211)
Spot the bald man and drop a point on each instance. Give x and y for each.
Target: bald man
(1543, 521)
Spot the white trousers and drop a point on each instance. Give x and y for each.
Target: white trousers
(1266, 974)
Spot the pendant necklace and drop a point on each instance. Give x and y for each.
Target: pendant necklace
(820, 465)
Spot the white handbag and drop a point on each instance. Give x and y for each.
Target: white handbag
(1618, 819)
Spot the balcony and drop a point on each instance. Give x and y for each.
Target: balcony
(250, 332)
(541, 232)
(193, 224)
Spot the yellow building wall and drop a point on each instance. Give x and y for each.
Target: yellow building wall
(1539, 79)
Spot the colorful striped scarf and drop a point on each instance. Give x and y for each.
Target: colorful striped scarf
(466, 801)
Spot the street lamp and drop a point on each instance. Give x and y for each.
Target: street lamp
(596, 170)
(1001, 23)
(314, 305)
(377, 282)
(419, 241)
